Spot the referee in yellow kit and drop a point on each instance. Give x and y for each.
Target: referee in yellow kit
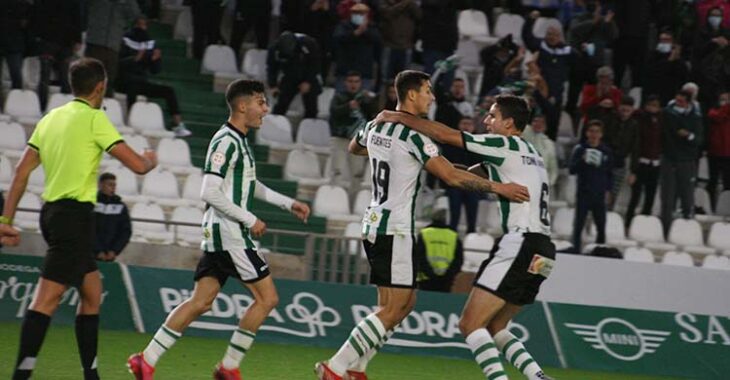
(69, 142)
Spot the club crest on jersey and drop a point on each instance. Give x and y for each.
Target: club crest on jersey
(431, 149)
(373, 217)
(541, 265)
(218, 158)
(206, 233)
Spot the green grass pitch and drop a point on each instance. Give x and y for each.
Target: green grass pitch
(193, 358)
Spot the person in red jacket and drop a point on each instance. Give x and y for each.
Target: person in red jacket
(719, 145)
(602, 90)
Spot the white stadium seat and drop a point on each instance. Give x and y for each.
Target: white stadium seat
(127, 185)
(188, 235)
(219, 59)
(333, 202)
(161, 187)
(23, 105)
(136, 142)
(716, 262)
(303, 166)
(324, 101)
(488, 216)
(58, 100)
(13, 141)
(6, 173)
(476, 249)
(37, 181)
(113, 110)
(31, 73)
(473, 23)
(254, 64)
(678, 258)
(276, 132)
(615, 231)
(637, 254)
(687, 233)
(723, 204)
(191, 189)
(314, 134)
(647, 230)
(354, 231)
(567, 189)
(174, 155)
(563, 222)
(146, 118)
(148, 231)
(183, 25)
(27, 220)
(509, 24)
(362, 201)
(719, 237)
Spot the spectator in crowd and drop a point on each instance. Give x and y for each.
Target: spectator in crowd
(113, 227)
(495, 59)
(315, 18)
(207, 16)
(535, 135)
(439, 254)
(629, 49)
(344, 9)
(704, 7)
(440, 32)
(555, 61)
(667, 70)
(108, 20)
(452, 105)
(13, 20)
(589, 35)
(357, 45)
(592, 162)
(711, 57)
(569, 10)
(297, 57)
(623, 140)
(604, 89)
(249, 14)
(391, 97)
(137, 59)
(398, 23)
(350, 110)
(694, 90)
(57, 28)
(682, 136)
(607, 112)
(719, 145)
(645, 157)
(458, 197)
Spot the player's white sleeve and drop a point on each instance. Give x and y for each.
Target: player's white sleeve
(212, 194)
(272, 197)
(490, 146)
(361, 137)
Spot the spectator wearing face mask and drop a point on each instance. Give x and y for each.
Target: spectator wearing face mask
(711, 56)
(667, 70)
(704, 7)
(682, 135)
(719, 145)
(357, 45)
(645, 157)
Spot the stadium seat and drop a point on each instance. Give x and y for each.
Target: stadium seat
(703, 169)
(702, 202)
(183, 25)
(219, 59)
(146, 118)
(615, 231)
(362, 201)
(127, 185)
(57, 100)
(723, 204)
(567, 189)
(314, 134)
(136, 142)
(354, 231)
(719, 237)
(303, 166)
(472, 23)
(332, 202)
(716, 262)
(31, 73)
(635, 93)
(6, 173)
(27, 220)
(161, 187)
(276, 132)
(148, 231)
(565, 128)
(254, 64)
(488, 217)
(682, 259)
(113, 110)
(191, 189)
(687, 233)
(468, 50)
(37, 181)
(23, 105)
(324, 101)
(188, 235)
(542, 24)
(637, 254)
(174, 155)
(476, 249)
(509, 24)
(12, 143)
(647, 230)
(563, 223)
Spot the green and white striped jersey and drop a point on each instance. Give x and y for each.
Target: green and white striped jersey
(396, 154)
(512, 159)
(231, 158)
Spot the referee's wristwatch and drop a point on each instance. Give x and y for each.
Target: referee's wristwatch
(6, 220)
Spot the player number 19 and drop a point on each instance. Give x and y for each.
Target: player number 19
(381, 177)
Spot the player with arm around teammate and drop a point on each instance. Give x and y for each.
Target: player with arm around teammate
(524, 256)
(229, 185)
(397, 154)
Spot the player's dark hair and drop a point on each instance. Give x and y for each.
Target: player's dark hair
(409, 80)
(594, 123)
(516, 108)
(242, 87)
(84, 75)
(107, 177)
(627, 101)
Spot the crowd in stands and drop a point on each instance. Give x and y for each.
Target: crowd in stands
(631, 95)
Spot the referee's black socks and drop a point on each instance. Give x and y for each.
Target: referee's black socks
(87, 334)
(32, 333)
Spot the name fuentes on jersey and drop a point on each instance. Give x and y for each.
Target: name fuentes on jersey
(380, 141)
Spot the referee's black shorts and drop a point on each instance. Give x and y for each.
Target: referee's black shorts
(68, 226)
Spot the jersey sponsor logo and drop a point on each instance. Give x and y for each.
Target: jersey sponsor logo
(541, 265)
(380, 141)
(218, 158)
(620, 339)
(431, 150)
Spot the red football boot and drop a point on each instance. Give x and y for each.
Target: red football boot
(324, 372)
(140, 368)
(222, 373)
